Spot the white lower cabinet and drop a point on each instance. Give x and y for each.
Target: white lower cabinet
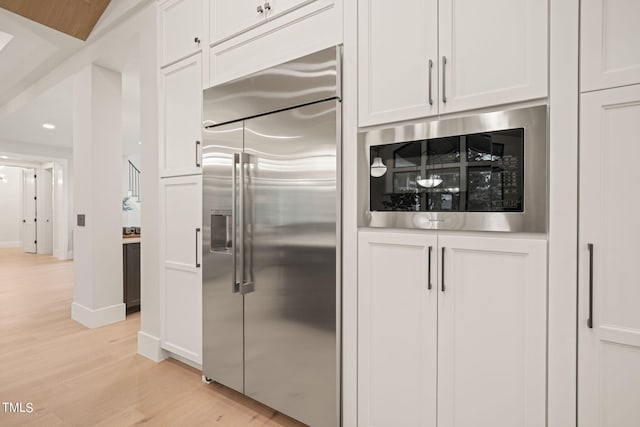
(181, 277)
(451, 330)
(609, 287)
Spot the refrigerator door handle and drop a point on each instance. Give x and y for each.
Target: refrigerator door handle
(245, 285)
(235, 285)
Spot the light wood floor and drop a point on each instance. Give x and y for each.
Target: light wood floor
(75, 376)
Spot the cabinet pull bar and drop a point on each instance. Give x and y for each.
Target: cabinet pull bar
(430, 78)
(198, 164)
(590, 319)
(444, 79)
(429, 269)
(197, 251)
(443, 248)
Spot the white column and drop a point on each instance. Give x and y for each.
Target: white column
(97, 157)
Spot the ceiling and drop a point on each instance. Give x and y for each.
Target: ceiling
(73, 17)
(35, 50)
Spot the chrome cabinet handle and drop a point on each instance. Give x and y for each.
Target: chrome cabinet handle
(442, 269)
(196, 40)
(444, 79)
(430, 78)
(235, 286)
(429, 269)
(259, 9)
(198, 163)
(197, 251)
(267, 6)
(590, 319)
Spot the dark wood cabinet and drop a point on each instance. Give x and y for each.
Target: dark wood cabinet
(131, 270)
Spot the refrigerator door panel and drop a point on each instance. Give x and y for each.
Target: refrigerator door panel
(291, 343)
(223, 356)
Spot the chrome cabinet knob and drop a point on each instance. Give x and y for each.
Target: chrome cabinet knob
(267, 5)
(259, 9)
(197, 40)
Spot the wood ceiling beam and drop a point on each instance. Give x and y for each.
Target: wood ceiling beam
(73, 17)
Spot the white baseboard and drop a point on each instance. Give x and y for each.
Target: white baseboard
(63, 255)
(100, 317)
(149, 347)
(6, 245)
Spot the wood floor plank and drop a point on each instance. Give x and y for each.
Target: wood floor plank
(75, 376)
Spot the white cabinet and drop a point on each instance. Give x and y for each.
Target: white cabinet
(398, 57)
(229, 18)
(180, 29)
(492, 309)
(467, 310)
(421, 58)
(495, 50)
(609, 43)
(181, 117)
(397, 329)
(609, 291)
(181, 279)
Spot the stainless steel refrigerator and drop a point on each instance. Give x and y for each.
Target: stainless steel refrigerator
(271, 237)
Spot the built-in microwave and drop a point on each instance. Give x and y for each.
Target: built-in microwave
(485, 172)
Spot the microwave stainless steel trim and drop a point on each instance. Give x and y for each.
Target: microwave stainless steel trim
(534, 217)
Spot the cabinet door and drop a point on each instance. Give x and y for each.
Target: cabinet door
(492, 332)
(180, 29)
(181, 118)
(397, 329)
(609, 43)
(609, 291)
(495, 50)
(181, 297)
(398, 60)
(228, 18)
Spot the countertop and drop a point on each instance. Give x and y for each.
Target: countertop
(130, 238)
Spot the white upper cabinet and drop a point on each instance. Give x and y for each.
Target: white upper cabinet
(398, 56)
(180, 29)
(483, 54)
(610, 43)
(609, 288)
(229, 18)
(495, 50)
(181, 118)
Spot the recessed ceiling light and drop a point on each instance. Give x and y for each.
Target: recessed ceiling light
(139, 142)
(48, 126)
(4, 157)
(5, 38)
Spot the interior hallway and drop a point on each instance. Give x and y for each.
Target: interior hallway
(75, 376)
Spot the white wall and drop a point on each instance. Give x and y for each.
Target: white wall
(10, 207)
(97, 146)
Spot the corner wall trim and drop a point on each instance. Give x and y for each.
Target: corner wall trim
(149, 347)
(100, 317)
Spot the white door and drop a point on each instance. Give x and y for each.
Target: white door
(181, 290)
(609, 43)
(181, 32)
(29, 224)
(397, 329)
(45, 212)
(495, 50)
(181, 118)
(229, 18)
(609, 287)
(492, 332)
(398, 60)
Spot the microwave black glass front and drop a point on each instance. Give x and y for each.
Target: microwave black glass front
(483, 173)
